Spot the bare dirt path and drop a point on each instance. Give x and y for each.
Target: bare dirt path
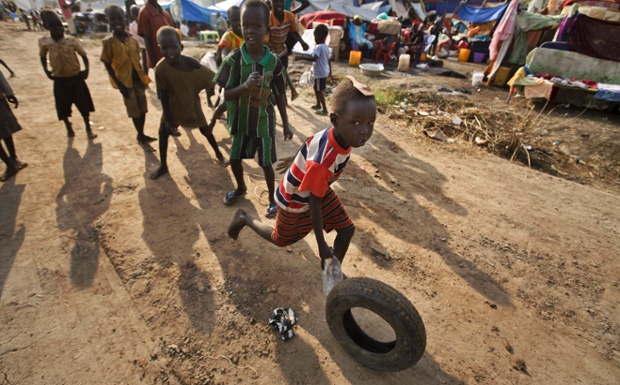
(108, 277)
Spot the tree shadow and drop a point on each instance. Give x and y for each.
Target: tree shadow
(11, 238)
(85, 195)
(171, 226)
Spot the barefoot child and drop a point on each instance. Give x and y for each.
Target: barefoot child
(120, 54)
(180, 79)
(305, 200)
(69, 82)
(321, 67)
(249, 76)
(8, 126)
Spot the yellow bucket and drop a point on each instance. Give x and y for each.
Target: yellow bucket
(354, 58)
(464, 54)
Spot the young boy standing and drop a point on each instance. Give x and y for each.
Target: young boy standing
(321, 67)
(120, 54)
(180, 79)
(133, 30)
(69, 82)
(282, 24)
(305, 200)
(249, 76)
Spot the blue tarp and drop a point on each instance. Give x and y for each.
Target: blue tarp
(194, 12)
(481, 14)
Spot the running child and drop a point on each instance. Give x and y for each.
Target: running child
(8, 126)
(69, 82)
(305, 200)
(321, 67)
(120, 54)
(180, 79)
(249, 76)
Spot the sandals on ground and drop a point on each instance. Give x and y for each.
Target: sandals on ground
(272, 211)
(232, 196)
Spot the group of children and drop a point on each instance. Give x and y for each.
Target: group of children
(253, 79)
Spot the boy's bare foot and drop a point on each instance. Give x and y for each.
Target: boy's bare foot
(294, 95)
(159, 172)
(145, 138)
(223, 162)
(90, 135)
(70, 133)
(315, 107)
(237, 223)
(10, 171)
(18, 164)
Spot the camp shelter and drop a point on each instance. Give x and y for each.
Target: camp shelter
(582, 67)
(513, 37)
(368, 11)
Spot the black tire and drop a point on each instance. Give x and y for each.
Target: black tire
(383, 300)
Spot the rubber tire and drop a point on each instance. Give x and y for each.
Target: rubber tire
(393, 307)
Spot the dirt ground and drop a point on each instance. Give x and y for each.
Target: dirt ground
(108, 277)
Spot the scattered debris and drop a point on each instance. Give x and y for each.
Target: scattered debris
(437, 135)
(282, 320)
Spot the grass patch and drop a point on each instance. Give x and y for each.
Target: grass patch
(389, 96)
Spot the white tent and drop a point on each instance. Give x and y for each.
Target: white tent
(367, 11)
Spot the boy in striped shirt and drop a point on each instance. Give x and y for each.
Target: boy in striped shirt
(304, 197)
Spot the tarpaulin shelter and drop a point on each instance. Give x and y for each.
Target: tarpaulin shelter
(366, 11)
(443, 7)
(479, 14)
(319, 16)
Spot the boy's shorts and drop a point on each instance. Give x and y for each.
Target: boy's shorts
(245, 147)
(292, 227)
(69, 91)
(319, 84)
(136, 103)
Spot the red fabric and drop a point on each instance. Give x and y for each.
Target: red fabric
(316, 179)
(149, 22)
(307, 20)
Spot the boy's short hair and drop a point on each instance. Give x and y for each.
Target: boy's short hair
(258, 4)
(48, 15)
(321, 31)
(344, 93)
(110, 7)
(168, 30)
(232, 9)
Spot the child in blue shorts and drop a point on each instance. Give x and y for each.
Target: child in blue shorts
(321, 67)
(249, 76)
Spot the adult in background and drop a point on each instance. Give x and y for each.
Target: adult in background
(150, 19)
(68, 16)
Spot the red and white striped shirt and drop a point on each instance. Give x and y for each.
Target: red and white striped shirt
(319, 159)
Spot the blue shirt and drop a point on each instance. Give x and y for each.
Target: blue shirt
(321, 65)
